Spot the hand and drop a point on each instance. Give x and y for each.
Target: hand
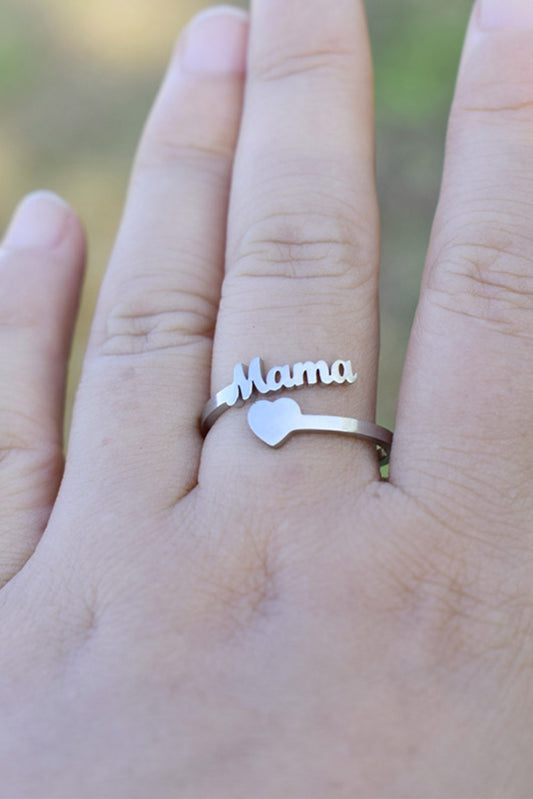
(219, 619)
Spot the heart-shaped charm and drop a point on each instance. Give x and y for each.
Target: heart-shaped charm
(274, 422)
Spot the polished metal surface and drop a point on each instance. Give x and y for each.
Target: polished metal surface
(245, 384)
(275, 422)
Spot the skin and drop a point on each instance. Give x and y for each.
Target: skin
(218, 619)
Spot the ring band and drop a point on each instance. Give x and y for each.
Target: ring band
(275, 422)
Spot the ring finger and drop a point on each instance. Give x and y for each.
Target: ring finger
(302, 260)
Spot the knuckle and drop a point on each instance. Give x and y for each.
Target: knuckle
(160, 152)
(520, 111)
(302, 246)
(498, 87)
(488, 278)
(331, 59)
(22, 452)
(152, 319)
(494, 101)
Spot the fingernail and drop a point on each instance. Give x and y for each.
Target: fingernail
(38, 223)
(505, 14)
(215, 42)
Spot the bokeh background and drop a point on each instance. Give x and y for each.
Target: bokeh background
(77, 78)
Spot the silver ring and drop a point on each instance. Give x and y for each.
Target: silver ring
(275, 422)
(245, 384)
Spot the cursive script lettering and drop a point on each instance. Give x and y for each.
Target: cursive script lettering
(281, 377)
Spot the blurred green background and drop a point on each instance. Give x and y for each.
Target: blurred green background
(77, 78)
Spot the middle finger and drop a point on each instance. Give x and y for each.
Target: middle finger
(302, 260)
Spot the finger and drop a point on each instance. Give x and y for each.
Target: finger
(147, 368)
(466, 410)
(302, 265)
(41, 266)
